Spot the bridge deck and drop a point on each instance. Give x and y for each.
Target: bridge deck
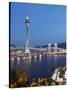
(35, 54)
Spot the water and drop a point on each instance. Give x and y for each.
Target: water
(40, 66)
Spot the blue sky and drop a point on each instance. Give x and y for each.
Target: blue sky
(47, 23)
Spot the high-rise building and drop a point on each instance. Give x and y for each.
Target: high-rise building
(27, 23)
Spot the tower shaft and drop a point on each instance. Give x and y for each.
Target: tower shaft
(27, 39)
(27, 22)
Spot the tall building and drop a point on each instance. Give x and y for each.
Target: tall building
(27, 23)
(49, 47)
(55, 47)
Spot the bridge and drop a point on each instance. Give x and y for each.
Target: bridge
(46, 49)
(50, 50)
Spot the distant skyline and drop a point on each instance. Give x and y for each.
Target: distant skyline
(47, 23)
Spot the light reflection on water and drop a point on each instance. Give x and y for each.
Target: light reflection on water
(39, 66)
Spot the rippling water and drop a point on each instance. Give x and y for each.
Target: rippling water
(40, 66)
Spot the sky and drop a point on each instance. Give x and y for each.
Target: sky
(47, 23)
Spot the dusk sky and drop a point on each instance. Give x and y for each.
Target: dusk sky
(47, 23)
